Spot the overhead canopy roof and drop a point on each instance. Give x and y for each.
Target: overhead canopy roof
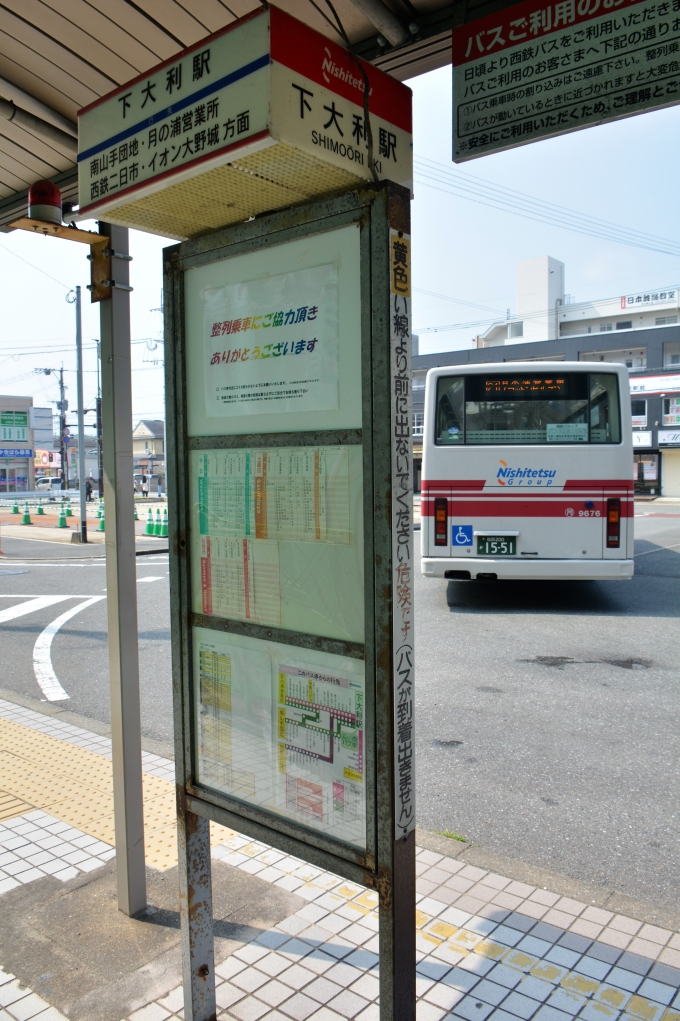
(57, 56)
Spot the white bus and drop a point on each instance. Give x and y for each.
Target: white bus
(527, 472)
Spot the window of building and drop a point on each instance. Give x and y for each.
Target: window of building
(418, 420)
(605, 327)
(576, 407)
(665, 320)
(626, 325)
(418, 383)
(638, 410)
(516, 330)
(671, 411)
(634, 359)
(671, 355)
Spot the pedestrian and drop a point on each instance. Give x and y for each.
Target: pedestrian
(145, 485)
(88, 490)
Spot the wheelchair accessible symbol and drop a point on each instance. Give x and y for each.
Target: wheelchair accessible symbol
(461, 535)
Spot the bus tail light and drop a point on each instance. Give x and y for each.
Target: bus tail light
(440, 522)
(613, 524)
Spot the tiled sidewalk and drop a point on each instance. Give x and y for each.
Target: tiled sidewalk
(487, 947)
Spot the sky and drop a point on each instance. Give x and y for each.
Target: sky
(624, 172)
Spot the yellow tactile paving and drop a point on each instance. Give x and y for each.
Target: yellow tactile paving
(76, 786)
(11, 806)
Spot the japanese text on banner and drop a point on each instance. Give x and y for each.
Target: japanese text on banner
(525, 74)
(402, 531)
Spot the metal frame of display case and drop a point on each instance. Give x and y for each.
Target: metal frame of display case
(387, 865)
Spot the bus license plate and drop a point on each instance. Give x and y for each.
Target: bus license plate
(496, 546)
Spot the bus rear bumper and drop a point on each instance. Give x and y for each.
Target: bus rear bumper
(528, 570)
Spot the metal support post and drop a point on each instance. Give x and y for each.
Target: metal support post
(195, 908)
(396, 844)
(121, 581)
(81, 420)
(100, 462)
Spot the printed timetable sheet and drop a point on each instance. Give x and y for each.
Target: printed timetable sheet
(248, 503)
(284, 734)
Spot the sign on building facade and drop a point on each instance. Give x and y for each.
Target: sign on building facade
(536, 69)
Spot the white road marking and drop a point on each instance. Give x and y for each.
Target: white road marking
(42, 657)
(30, 606)
(149, 577)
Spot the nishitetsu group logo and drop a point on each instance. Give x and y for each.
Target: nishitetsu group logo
(507, 476)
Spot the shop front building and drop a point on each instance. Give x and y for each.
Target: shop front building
(16, 450)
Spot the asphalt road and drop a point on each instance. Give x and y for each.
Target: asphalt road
(79, 652)
(547, 723)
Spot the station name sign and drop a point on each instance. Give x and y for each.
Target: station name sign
(536, 70)
(268, 90)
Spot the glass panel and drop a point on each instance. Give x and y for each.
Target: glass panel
(282, 728)
(277, 538)
(671, 411)
(273, 338)
(527, 409)
(450, 410)
(605, 423)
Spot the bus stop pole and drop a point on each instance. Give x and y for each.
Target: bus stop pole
(121, 581)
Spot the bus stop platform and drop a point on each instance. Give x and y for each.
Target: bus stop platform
(496, 939)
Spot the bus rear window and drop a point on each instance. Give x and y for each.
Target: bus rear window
(571, 407)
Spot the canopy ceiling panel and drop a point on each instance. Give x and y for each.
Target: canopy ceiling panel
(57, 56)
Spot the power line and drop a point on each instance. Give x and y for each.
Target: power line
(457, 301)
(538, 314)
(33, 266)
(475, 189)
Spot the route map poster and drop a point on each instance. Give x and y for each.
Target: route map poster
(283, 730)
(536, 70)
(271, 344)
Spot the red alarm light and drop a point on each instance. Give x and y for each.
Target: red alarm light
(44, 202)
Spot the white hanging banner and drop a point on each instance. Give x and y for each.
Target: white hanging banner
(271, 344)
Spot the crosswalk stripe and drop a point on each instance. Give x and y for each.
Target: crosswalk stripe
(21, 609)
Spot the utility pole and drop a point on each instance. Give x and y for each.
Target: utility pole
(81, 424)
(63, 407)
(98, 405)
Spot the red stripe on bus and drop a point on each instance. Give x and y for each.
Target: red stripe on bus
(451, 484)
(521, 508)
(607, 483)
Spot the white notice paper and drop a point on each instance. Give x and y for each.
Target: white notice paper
(272, 344)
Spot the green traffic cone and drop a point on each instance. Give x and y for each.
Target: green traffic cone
(136, 514)
(100, 509)
(102, 522)
(15, 508)
(26, 520)
(157, 527)
(61, 523)
(164, 526)
(149, 530)
(69, 512)
(41, 509)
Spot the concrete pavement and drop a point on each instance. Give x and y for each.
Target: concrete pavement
(293, 942)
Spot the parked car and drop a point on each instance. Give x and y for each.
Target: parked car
(46, 484)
